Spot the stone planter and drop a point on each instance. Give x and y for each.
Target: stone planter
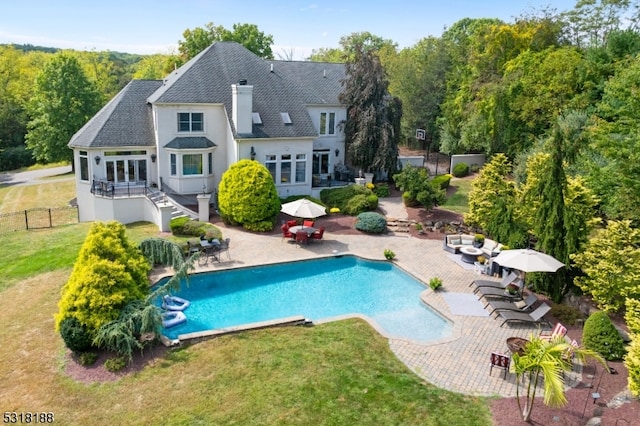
(368, 177)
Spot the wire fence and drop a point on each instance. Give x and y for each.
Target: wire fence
(38, 218)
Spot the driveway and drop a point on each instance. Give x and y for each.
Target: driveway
(32, 177)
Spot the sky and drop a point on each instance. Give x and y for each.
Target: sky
(297, 27)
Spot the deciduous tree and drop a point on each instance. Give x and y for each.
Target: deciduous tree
(64, 100)
(248, 35)
(610, 262)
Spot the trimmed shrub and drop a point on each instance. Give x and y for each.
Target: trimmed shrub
(76, 337)
(632, 360)
(435, 283)
(247, 196)
(177, 225)
(371, 222)
(441, 181)
(460, 170)
(417, 188)
(115, 364)
(356, 205)
(381, 190)
(87, 358)
(351, 200)
(197, 228)
(389, 254)
(600, 335)
(565, 314)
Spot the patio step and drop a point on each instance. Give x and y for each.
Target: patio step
(398, 225)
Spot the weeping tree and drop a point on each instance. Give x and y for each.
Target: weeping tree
(372, 130)
(142, 316)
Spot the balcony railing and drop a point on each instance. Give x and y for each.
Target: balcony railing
(105, 188)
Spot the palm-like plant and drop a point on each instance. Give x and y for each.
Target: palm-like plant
(546, 360)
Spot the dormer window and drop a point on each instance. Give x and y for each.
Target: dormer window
(190, 122)
(285, 118)
(327, 123)
(255, 116)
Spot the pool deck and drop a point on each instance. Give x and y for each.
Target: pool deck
(459, 363)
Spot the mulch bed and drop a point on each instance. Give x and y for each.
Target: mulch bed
(505, 412)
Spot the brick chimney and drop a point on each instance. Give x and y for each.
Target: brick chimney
(242, 106)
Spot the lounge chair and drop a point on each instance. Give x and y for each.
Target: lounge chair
(534, 317)
(497, 293)
(506, 280)
(519, 306)
(559, 330)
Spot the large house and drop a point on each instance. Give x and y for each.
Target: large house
(177, 136)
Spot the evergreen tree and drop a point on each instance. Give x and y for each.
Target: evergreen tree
(109, 273)
(372, 129)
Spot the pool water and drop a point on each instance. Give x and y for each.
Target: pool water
(316, 289)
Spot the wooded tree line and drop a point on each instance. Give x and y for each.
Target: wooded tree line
(484, 86)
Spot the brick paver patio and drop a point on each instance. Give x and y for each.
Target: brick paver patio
(459, 363)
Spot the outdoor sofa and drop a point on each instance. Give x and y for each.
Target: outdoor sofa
(454, 242)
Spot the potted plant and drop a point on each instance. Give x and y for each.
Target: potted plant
(389, 254)
(478, 241)
(435, 283)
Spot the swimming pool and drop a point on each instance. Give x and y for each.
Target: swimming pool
(316, 289)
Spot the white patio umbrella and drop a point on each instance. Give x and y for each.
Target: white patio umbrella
(303, 208)
(528, 260)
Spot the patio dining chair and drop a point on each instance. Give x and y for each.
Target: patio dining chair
(302, 237)
(500, 360)
(224, 247)
(317, 234)
(308, 223)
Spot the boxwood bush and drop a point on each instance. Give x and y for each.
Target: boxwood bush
(600, 335)
(441, 181)
(76, 337)
(460, 170)
(371, 222)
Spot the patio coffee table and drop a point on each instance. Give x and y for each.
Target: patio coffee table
(470, 254)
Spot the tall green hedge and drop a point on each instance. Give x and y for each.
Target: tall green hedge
(247, 196)
(109, 273)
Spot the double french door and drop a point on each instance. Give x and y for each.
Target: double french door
(126, 170)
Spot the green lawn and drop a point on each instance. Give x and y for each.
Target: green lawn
(336, 373)
(459, 201)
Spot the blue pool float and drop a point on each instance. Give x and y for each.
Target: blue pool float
(174, 303)
(173, 318)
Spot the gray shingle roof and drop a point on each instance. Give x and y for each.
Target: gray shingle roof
(321, 81)
(207, 78)
(126, 120)
(196, 142)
